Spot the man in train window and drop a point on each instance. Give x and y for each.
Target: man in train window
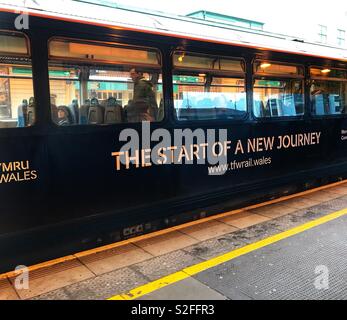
(143, 106)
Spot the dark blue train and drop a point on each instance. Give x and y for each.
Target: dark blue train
(215, 120)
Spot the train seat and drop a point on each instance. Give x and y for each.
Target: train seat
(161, 111)
(73, 108)
(273, 107)
(84, 111)
(205, 109)
(189, 102)
(31, 112)
(96, 112)
(138, 111)
(319, 104)
(187, 109)
(335, 104)
(258, 108)
(220, 101)
(54, 113)
(205, 103)
(287, 108)
(241, 105)
(113, 111)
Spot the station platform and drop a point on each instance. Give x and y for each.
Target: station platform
(309, 265)
(289, 248)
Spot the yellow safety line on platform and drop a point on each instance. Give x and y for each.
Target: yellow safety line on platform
(195, 269)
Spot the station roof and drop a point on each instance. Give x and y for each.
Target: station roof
(156, 22)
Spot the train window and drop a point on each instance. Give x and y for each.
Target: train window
(326, 73)
(206, 62)
(119, 54)
(328, 91)
(106, 93)
(208, 87)
(17, 103)
(269, 68)
(13, 43)
(278, 90)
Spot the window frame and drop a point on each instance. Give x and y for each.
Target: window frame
(341, 37)
(28, 56)
(279, 77)
(217, 73)
(326, 78)
(27, 41)
(107, 44)
(288, 76)
(322, 35)
(104, 63)
(199, 70)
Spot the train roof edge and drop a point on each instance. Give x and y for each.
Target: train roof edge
(166, 24)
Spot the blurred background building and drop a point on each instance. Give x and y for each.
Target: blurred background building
(319, 21)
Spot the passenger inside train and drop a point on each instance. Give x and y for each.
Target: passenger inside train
(112, 96)
(63, 116)
(110, 90)
(143, 106)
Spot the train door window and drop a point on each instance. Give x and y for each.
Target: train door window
(328, 91)
(17, 103)
(104, 83)
(208, 87)
(278, 90)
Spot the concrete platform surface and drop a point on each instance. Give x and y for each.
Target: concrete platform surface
(309, 265)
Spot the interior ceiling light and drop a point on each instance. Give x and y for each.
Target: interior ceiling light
(181, 57)
(265, 65)
(325, 71)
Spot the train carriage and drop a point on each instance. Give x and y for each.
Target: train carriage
(277, 107)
